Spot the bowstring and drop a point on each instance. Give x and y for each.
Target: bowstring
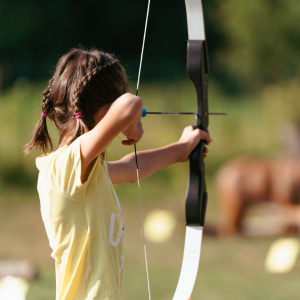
(135, 151)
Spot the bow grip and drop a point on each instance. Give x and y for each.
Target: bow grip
(196, 198)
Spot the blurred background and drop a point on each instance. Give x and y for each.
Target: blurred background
(250, 248)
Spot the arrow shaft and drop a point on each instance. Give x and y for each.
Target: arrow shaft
(182, 113)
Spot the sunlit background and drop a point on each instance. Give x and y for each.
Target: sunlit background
(251, 239)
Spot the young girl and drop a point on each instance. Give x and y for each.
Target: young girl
(88, 102)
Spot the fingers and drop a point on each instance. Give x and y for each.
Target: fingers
(129, 142)
(205, 152)
(203, 135)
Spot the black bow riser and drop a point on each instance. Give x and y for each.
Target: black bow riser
(197, 69)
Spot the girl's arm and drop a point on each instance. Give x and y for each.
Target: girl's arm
(122, 116)
(151, 161)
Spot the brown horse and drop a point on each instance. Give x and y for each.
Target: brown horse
(245, 181)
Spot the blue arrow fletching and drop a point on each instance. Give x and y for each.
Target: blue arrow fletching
(144, 112)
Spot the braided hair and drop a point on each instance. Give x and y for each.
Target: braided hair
(84, 81)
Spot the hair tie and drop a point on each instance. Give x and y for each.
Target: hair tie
(44, 115)
(78, 115)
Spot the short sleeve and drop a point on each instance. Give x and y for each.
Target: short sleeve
(66, 171)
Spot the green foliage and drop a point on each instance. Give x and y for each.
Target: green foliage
(262, 41)
(250, 44)
(282, 100)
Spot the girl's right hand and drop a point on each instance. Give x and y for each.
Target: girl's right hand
(134, 133)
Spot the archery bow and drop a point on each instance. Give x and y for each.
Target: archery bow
(196, 198)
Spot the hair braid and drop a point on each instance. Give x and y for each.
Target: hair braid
(77, 104)
(47, 102)
(85, 81)
(42, 139)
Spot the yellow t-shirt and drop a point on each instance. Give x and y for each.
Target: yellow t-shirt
(84, 225)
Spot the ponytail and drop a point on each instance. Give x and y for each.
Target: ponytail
(41, 138)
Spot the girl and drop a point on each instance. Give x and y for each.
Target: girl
(88, 102)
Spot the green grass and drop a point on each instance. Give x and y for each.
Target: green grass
(231, 269)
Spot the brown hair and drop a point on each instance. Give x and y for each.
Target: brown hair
(84, 81)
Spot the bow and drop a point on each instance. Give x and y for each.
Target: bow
(196, 199)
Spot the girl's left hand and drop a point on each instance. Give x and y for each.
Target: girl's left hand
(190, 138)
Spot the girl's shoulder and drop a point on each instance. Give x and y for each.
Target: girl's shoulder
(65, 155)
(45, 160)
(63, 167)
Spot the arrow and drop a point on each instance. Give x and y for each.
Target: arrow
(145, 112)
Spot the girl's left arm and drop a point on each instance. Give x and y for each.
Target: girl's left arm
(151, 161)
